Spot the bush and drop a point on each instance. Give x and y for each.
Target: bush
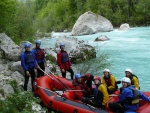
(18, 102)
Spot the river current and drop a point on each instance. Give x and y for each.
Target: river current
(126, 49)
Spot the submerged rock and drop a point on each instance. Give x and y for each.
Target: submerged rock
(124, 27)
(102, 38)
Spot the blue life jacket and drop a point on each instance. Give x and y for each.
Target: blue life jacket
(65, 57)
(29, 59)
(128, 98)
(135, 99)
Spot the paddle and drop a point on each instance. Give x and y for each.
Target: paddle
(52, 78)
(59, 79)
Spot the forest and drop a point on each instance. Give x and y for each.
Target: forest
(20, 19)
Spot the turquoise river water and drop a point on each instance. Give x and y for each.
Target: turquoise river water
(126, 49)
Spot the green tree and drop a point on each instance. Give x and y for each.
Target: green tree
(7, 11)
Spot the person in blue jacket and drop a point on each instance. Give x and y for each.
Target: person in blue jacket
(28, 63)
(40, 58)
(128, 100)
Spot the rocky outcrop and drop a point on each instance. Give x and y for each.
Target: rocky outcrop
(102, 38)
(9, 50)
(7, 88)
(77, 50)
(90, 23)
(124, 27)
(16, 66)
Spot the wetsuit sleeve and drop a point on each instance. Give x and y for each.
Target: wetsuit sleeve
(144, 97)
(23, 62)
(102, 88)
(113, 82)
(135, 82)
(59, 60)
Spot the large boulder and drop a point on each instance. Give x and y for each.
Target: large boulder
(16, 66)
(102, 38)
(18, 77)
(77, 50)
(8, 48)
(124, 27)
(90, 23)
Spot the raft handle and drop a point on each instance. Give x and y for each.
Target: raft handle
(50, 103)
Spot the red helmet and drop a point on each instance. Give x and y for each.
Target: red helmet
(97, 78)
(87, 75)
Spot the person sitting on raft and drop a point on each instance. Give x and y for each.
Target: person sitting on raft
(110, 81)
(128, 99)
(78, 84)
(87, 79)
(133, 78)
(101, 95)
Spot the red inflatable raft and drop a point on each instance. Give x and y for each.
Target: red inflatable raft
(144, 107)
(46, 86)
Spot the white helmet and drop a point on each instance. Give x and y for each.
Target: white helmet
(106, 70)
(126, 79)
(129, 70)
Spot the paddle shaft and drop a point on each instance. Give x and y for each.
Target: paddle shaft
(59, 80)
(52, 78)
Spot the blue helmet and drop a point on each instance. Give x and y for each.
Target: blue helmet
(62, 44)
(27, 45)
(38, 42)
(77, 76)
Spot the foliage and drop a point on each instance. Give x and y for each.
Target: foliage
(21, 19)
(17, 20)
(18, 102)
(93, 65)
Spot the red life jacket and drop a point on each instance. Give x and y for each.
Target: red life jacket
(39, 54)
(108, 81)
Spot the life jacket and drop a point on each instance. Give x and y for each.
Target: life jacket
(39, 54)
(29, 59)
(108, 81)
(65, 57)
(135, 99)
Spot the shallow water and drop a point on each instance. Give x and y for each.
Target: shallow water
(126, 49)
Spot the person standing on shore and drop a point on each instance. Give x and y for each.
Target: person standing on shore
(40, 58)
(64, 62)
(28, 62)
